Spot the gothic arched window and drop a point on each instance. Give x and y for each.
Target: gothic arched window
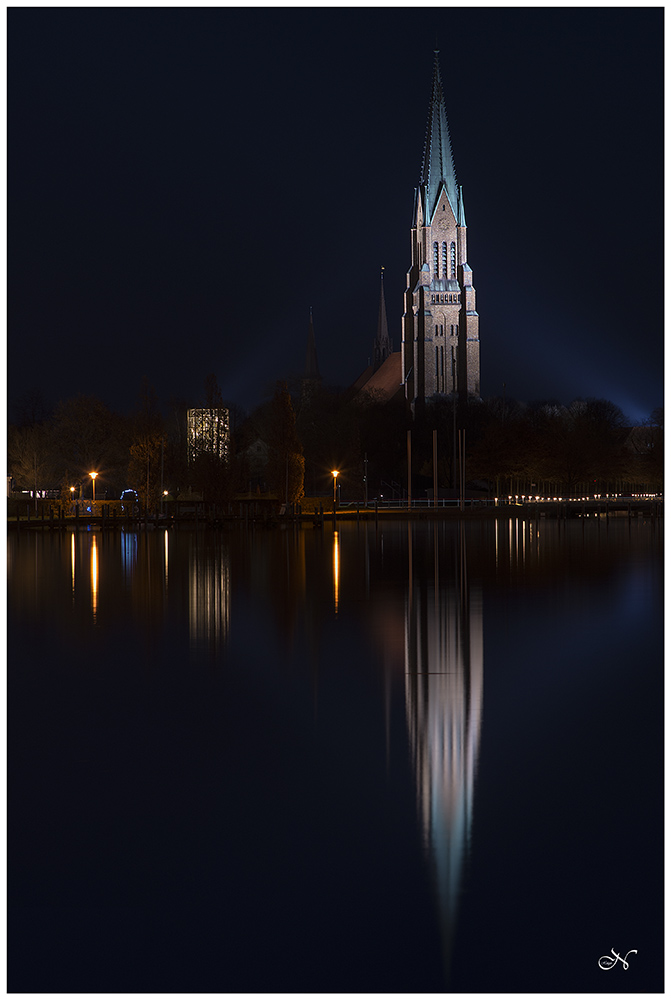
(453, 260)
(444, 248)
(435, 259)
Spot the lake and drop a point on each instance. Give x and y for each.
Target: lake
(417, 757)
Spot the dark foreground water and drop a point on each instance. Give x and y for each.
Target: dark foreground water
(408, 759)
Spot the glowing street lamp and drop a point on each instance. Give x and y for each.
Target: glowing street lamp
(335, 477)
(93, 477)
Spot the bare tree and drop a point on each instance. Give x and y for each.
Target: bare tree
(29, 457)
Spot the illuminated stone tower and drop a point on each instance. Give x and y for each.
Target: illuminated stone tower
(441, 346)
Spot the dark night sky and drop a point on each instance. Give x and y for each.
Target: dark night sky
(183, 184)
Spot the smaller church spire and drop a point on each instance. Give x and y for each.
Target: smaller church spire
(462, 213)
(311, 366)
(382, 346)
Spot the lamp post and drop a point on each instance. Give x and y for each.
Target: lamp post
(93, 478)
(335, 477)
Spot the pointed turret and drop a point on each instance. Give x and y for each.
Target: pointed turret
(382, 346)
(438, 164)
(311, 367)
(462, 254)
(462, 214)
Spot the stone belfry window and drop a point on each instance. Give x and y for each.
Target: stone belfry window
(453, 260)
(444, 248)
(435, 260)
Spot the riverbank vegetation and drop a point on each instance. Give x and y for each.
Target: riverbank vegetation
(292, 443)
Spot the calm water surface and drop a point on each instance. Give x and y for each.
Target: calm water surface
(414, 758)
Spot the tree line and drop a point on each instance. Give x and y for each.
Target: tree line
(510, 447)
(288, 446)
(146, 451)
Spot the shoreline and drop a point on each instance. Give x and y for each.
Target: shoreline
(210, 516)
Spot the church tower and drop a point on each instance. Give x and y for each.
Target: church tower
(441, 345)
(311, 377)
(311, 367)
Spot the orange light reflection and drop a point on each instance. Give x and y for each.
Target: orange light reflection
(336, 569)
(94, 576)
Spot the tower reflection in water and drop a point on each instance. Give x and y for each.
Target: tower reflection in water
(443, 695)
(209, 594)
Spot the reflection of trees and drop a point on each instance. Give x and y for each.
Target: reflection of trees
(277, 573)
(444, 680)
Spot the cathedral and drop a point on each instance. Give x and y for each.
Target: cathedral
(440, 344)
(440, 347)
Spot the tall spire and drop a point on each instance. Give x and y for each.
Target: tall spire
(382, 346)
(438, 164)
(311, 366)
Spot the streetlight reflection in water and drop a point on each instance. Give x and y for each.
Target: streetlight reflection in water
(72, 564)
(336, 570)
(94, 577)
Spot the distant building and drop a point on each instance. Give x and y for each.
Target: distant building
(440, 345)
(255, 458)
(208, 432)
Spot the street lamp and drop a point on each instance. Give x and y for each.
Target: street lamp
(93, 477)
(335, 476)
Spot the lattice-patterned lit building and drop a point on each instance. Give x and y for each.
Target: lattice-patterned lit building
(441, 342)
(208, 432)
